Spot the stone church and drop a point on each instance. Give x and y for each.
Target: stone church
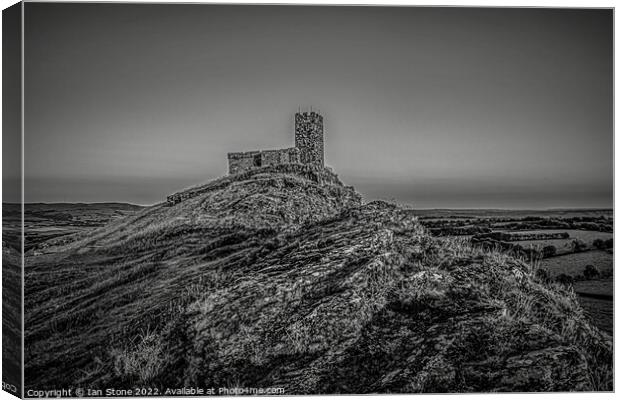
(308, 147)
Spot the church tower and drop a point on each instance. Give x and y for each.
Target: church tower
(309, 138)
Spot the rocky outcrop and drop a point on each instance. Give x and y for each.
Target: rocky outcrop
(318, 175)
(274, 279)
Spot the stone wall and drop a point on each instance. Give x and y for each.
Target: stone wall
(309, 138)
(241, 162)
(294, 155)
(279, 156)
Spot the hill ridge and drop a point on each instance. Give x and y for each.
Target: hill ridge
(320, 175)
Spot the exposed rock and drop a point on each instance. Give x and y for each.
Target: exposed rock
(281, 278)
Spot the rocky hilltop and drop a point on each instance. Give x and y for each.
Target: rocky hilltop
(281, 277)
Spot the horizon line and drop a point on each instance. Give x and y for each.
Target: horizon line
(397, 203)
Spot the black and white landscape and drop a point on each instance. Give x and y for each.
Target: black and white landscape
(315, 200)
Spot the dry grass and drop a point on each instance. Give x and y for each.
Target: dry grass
(142, 361)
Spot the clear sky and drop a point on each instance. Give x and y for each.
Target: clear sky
(436, 107)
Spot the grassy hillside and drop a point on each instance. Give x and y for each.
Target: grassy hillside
(11, 317)
(272, 279)
(45, 221)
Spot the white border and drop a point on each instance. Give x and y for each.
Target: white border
(479, 3)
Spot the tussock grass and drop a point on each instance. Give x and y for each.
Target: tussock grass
(142, 360)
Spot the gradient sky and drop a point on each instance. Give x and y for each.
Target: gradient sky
(436, 107)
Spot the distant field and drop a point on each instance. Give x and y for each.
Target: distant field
(596, 286)
(482, 213)
(468, 222)
(574, 264)
(601, 312)
(563, 245)
(586, 236)
(47, 221)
